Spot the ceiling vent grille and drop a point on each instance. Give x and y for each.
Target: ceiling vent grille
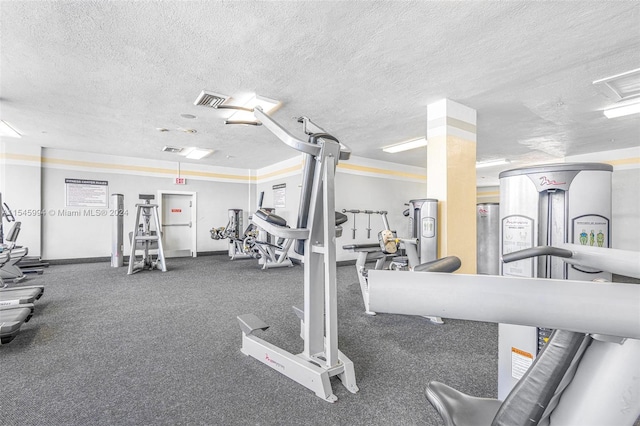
(210, 99)
(172, 149)
(620, 87)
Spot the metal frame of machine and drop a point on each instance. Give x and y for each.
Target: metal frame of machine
(321, 359)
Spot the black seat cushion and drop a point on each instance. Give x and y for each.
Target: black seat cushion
(459, 409)
(341, 218)
(271, 217)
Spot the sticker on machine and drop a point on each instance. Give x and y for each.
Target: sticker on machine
(517, 234)
(520, 362)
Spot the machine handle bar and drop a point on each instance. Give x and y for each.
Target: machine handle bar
(444, 264)
(536, 251)
(292, 141)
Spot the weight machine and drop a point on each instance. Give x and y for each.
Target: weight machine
(233, 232)
(316, 233)
(145, 239)
(590, 374)
(256, 242)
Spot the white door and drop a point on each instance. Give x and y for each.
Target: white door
(177, 224)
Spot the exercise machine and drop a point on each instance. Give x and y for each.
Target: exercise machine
(233, 232)
(600, 378)
(145, 239)
(19, 263)
(423, 226)
(256, 242)
(17, 295)
(488, 240)
(10, 270)
(389, 244)
(320, 359)
(548, 205)
(12, 317)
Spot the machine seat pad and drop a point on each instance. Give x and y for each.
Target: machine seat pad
(271, 218)
(341, 218)
(444, 264)
(459, 409)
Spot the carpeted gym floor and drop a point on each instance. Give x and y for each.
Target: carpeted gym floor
(105, 348)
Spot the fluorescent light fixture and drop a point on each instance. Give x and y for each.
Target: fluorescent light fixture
(492, 163)
(622, 110)
(198, 153)
(405, 146)
(267, 105)
(8, 131)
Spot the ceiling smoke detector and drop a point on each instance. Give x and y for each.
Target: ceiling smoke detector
(210, 99)
(172, 149)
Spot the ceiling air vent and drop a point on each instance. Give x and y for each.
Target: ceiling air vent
(171, 149)
(210, 99)
(620, 87)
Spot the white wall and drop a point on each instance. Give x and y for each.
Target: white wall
(20, 166)
(89, 235)
(361, 184)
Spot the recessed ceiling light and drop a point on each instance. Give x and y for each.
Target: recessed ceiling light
(404, 146)
(189, 116)
(198, 153)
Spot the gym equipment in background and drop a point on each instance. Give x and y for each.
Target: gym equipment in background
(354, 212)
(9, 271)
(488, 241)
(546, 206)
(145, 239)
(423, 226)
(320, 359)
(12, 317)
(233, 232)
(19, 258)
(388, 244)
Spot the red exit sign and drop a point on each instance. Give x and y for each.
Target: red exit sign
(176, 210)
(181, 181)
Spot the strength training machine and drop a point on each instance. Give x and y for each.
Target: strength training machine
(316, 233)
(598, 385)
(145, 239)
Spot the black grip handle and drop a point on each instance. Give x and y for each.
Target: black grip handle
(536, 251)
(445, 264)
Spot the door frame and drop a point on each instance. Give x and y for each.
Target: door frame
(194, 216)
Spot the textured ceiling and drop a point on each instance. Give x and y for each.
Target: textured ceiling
(102, 76)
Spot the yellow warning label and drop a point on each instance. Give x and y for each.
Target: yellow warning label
(521, 352)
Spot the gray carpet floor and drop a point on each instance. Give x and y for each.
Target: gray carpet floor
(105, 348)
